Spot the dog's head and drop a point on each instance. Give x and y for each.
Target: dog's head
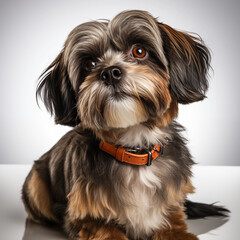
(119, 73)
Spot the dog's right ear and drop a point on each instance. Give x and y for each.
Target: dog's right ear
(56, 91)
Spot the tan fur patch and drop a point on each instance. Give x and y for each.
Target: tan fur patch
(177, 197)
(147, 83)
(39, 196)
(87, 200)
(187, 187)
(169, 115)
(177, 229)
(97, 231)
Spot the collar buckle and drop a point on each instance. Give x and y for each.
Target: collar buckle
(150, 158)
(136, 151)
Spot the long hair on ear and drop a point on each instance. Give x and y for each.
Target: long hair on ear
(56, 91)
(188, 62)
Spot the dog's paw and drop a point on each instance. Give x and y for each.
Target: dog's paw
(174, 235)
(95, 231)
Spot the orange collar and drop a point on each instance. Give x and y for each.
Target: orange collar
(122, 155)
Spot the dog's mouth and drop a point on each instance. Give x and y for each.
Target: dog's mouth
(104, 107)
(115, 92)
(122, 111)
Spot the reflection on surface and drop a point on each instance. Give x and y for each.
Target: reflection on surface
(201, 226)
(34, 231)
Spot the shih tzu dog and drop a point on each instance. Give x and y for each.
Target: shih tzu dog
(124, 170)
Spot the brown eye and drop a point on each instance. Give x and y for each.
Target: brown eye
(139, 52)
(89, 64)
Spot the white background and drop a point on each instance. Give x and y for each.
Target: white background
(32, 33)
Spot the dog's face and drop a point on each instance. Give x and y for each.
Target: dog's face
(124, 72)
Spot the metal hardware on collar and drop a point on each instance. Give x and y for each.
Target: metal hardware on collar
(137, 150)
(157, 150)
(161, 149)
(150, 158)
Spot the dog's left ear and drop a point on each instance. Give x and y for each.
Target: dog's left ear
(57, 93)
(188, 64)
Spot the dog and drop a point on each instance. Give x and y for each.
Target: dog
(123, 171)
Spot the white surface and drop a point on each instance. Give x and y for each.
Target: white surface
(33, 33)
(212, 184)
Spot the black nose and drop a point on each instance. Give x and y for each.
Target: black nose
(111, 75)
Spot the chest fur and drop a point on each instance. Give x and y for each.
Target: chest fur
(134, 199)
(141, 208)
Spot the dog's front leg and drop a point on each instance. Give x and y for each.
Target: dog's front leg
(85, 214)
(90, 229)
(177, 229)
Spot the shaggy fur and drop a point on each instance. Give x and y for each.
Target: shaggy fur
(119, 81)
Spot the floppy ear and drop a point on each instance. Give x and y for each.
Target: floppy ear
(57, 93)
(188, 63)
